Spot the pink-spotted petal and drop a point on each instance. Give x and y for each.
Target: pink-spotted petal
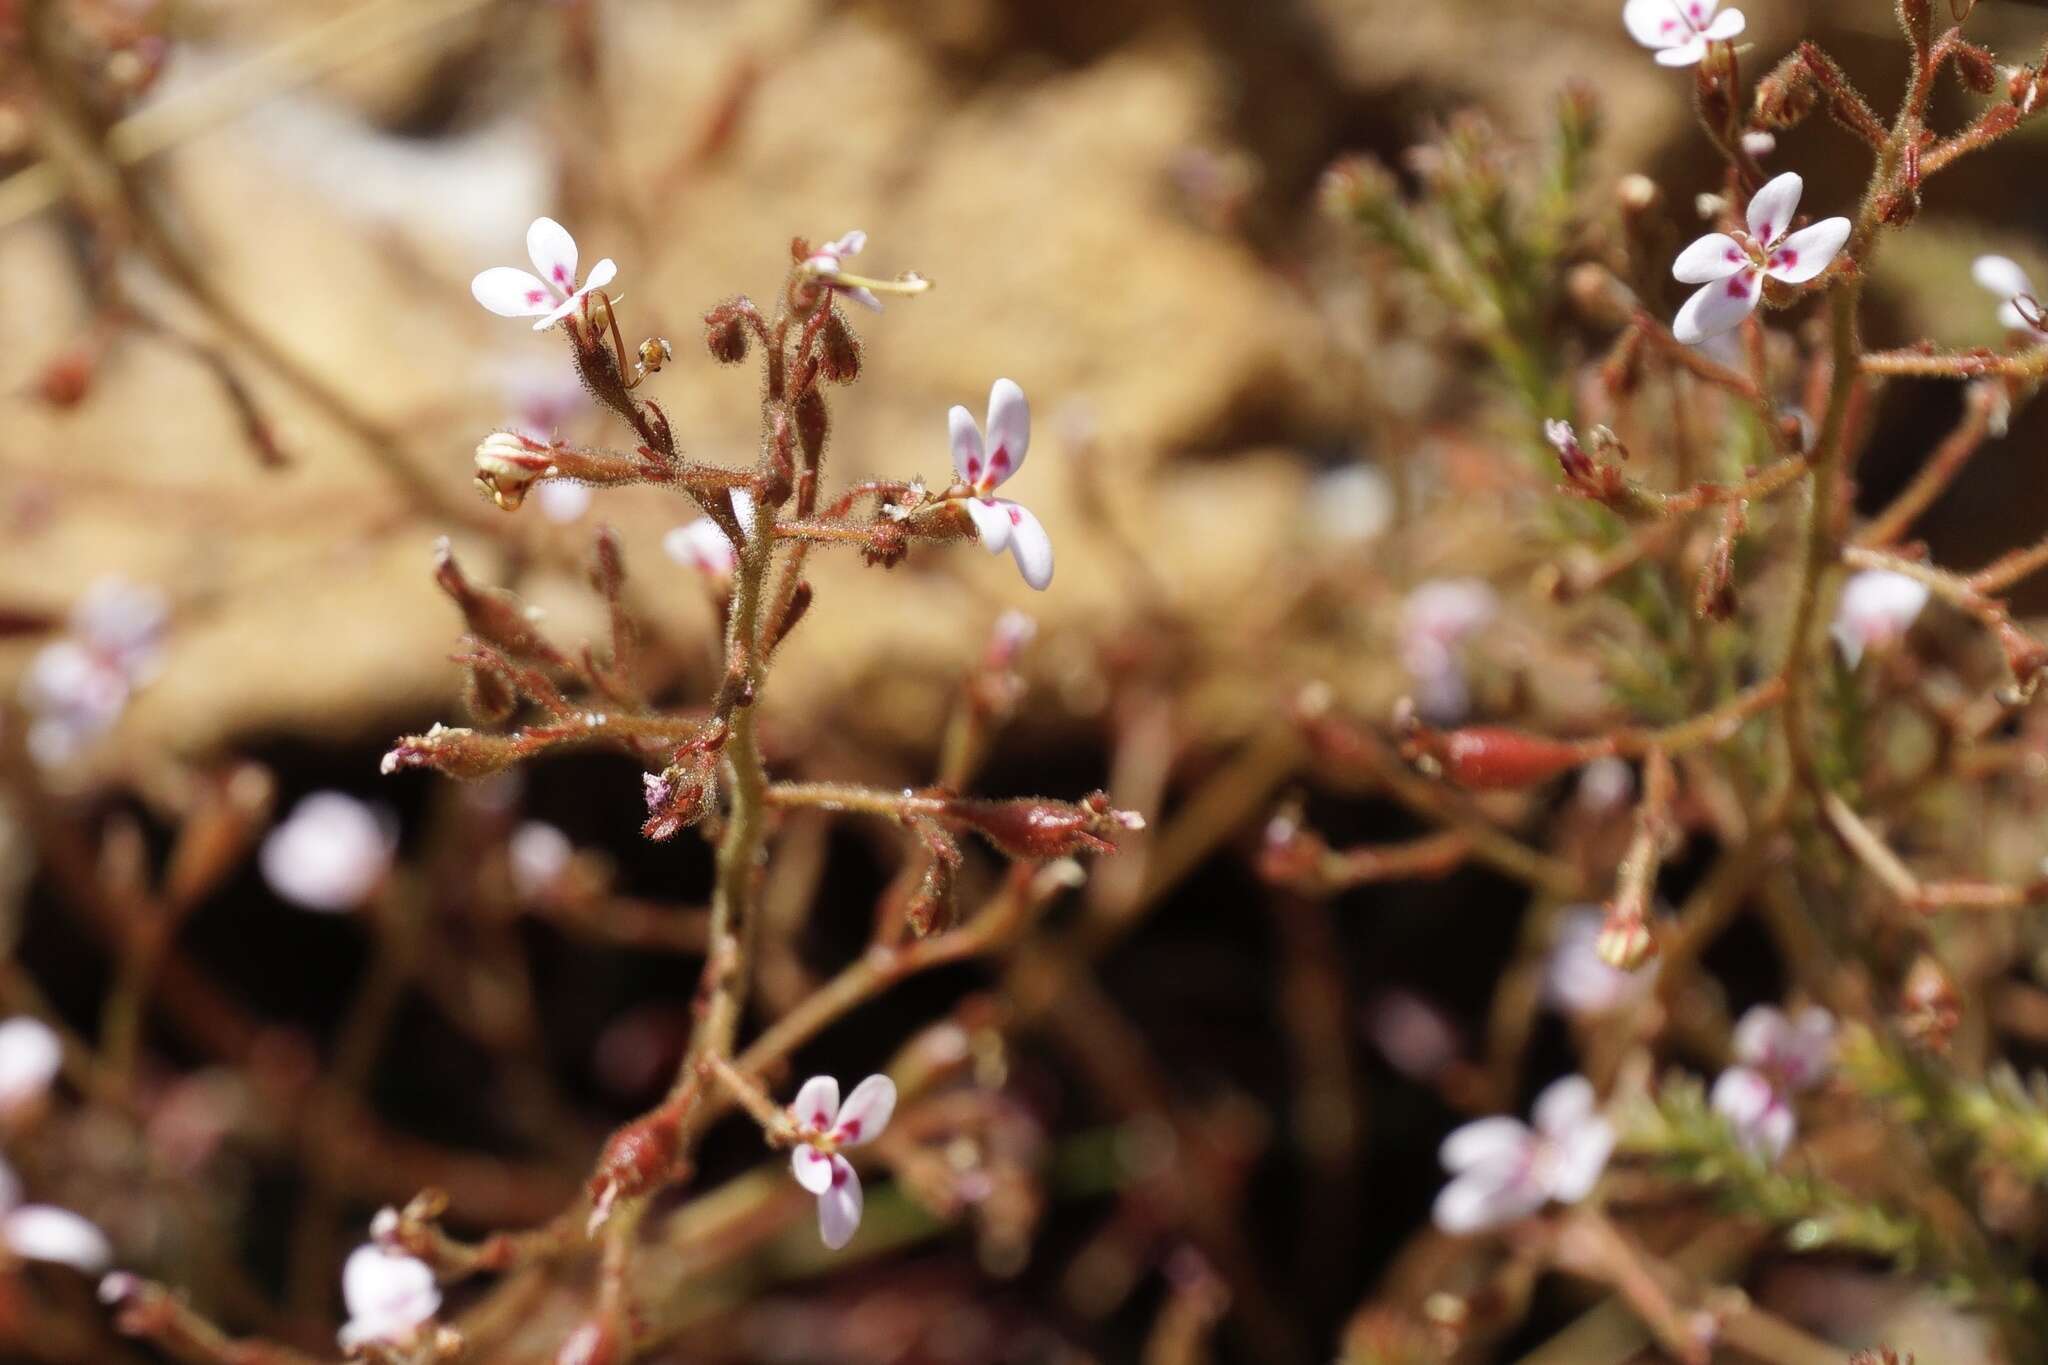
(1771, 211)
(992, 521)
(1009, 431)
(1725, 25)
(553, 252)
(1564, 1104)
(1654, 23)
(567, 306)
(1690, 52)
(1715, 256)
(1716, 308)
(512, 293)
(967, 447)
(1029, 545)
(817, 1105)
(839, 1206)
(866, 1111)
(1807, 252)
(812, 1168)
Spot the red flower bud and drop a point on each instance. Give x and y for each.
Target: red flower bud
(639, 1157)
(1492, 758)
(466, 754)
(1031, 827)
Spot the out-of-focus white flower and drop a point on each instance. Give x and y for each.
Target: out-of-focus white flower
(1415, 1036)
(1503, 1169)
(702, 545)
(1877, 608)
(1351, 505)
(1778, 1057)
(984, 464)
(2004, 277)
(44, 1232)
(826, 1126)
(828, 262)
(1606, 784)
(1678, 31)
(76, 688)
(1436, 619)
(1759, 142)
(551, 294)
(30, 1058)
(563, 500)
(330, 854)
(1577, 980)
(538, 854)
(1730, 272)
(389, 1296)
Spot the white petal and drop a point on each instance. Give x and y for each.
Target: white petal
(1716, 308)
(2002, 276)
(1691, 52)
(866, 1111)
(966, 440)
(992, 521)
(848, 245)
(30, 1057)
(1773, 208)
(1715, 256)
(329, 854)
(1009, 430)
(511, 293)
(387, 1292)
(1476, 1203)
(1488, 1141)
(572, 304)
(601, 274)
(811, 1167)
(839, 1206)
(1580, 1156)
(2010, 315)
(702, 546)
(563, 501)
(1809, 251)
(1761, 1034)
(1654, 23)
(1029, 545)
(816, 1106)
(1564, 1104)
(1725, 25)
(865, 297)
(553, 252)
(1741, 1095)
(1809, 1048)
(43, 1232)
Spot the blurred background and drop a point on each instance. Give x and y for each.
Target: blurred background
(240, 368)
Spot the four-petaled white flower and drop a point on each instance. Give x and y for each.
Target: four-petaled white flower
(702, 544)
(825, 1127)
(44, 1232)
(2004, 277)
(1731, 270)
(550, 295)
(1503, 1170)
(330, 854)
(30, 1058)
(1679, 30)
(1877, 608)
(389, 1295)
(982, 465)
(76, 688)
(1777, 1058)
(827, 261)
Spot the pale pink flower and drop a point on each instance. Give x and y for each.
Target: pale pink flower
(1778, 1057)
(1577, 980)
(537, 855)
(1731, 270)
(330, 854)
(1436, 620)
(828, 261)
(1413, 1033)
(1678, 31)
(1877, 608)
(984, 464)
(562, 501)
(702, 544)
(389, 1295)
(1503, 1169)
(30, 1058)
(552, 293)
(2009, 282)
(76, 688)
(826, 1127)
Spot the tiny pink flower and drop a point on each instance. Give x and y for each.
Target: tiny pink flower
(702, 544)
(389, 1295)
(2009, 282)
(827, 262)
(983, 464)
(552, 293)
(76, 688)
(1503, 1169)
(537, 856)
(30, 1058)
(825, 1127)
(1778, 1057)
(1678, 31)
(1877, 608)
(330, 854)
(1731, 271)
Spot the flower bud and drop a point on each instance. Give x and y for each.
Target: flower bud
(725, 335)
(1356, 188)
(1786, 95)
(1031, 827)
(65, 381)
(507, 464)
(1625, 942)
(811, 424)
(1929, 1011)
(638, 1158)
(1492, 758)
(453, 752)
(1976, 68)
(838, 351)
(492, 614)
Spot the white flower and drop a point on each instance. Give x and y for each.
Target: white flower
(44, 1232)
(1679, 30)
(1606, 784)
(30, 1058)
(827, 261)
(1437, 617)
(1732, 271)
(1351, 505)
(1777, 1058)
(330, 854)
(76, 688)
(1503, 1170)
(537, 855)
(552, 294)
(2006, 279)
(826, 1127)
(1877, 608)
(563, 500)
(1577, 980)
(702, 544)
(1004, 525)
(388, 1294)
